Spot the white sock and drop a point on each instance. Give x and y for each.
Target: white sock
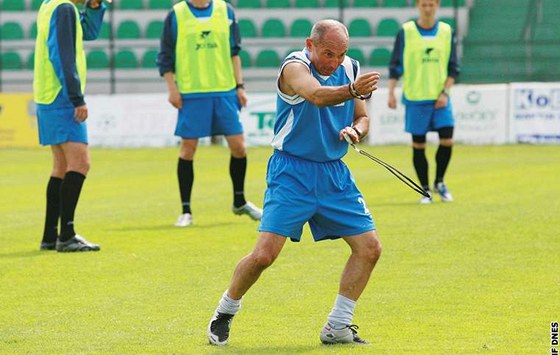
(342, 312)
(228, 305)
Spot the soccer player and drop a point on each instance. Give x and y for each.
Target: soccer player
(425, 56)
(199, 60)
(58, 86)
(320, 94)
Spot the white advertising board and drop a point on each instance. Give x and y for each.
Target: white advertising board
(480, 116)
(535, 113)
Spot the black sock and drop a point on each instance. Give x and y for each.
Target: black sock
(50, 232)
(443, 156)
(70, 189)
(421, 165)
(237, 169)
(185, 174)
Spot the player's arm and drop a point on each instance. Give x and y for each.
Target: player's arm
(62, 51)
(166, 59)
(395, 68)
(296, 79)
(235, 47)
(92, 19)
(453, 70)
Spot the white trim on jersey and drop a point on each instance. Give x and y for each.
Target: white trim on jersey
(299, 57)
(278, 139)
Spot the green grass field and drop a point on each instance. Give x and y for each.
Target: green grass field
(479, 275)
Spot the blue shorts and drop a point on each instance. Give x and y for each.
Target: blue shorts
(323, 194)
(423, 118)
(58, 125)
(209, 116)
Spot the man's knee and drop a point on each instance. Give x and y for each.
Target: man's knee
(263, 258)
(371, 249)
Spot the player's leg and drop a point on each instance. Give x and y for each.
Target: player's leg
(247, 272)
(77, 159)
(366, 250)
(417, 123)
(420, 163)
(185, 177)
(226, 121)
(52, 214)
(443, 157)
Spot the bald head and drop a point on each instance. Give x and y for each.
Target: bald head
(326, 30)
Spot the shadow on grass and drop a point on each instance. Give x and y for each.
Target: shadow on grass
(26, 254)
(272, 349)
(169, 227)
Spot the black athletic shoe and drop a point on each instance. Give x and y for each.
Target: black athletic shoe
(48, 246)
(218, 329)
(76, 243)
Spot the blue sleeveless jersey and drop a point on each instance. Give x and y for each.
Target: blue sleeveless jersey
(309, 132)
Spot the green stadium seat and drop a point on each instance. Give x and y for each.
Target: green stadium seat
(379, 57)
(273, 27)
(365, 3)
(128, 29)
(450, 21)
(395, 3)
(36, 4)
(307, 4)
(451, 3)
(546, 32)
(160, 4)
(105, 31)
(388, 27)
(336, 3)
(97, 59)
(275, 4)
(12, 5)
(154, 29)
(358, 54)
(246, 61)
(11, 31)
(131, 5)
(293, 50)
(359, 27)
(248, 4)
(11, 61)
(31, 61)
(125, 59)
(301, 27)
(33, 30)
(267, 58)
(247, 28)
(149, 58)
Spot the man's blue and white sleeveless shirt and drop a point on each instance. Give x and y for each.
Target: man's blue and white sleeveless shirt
(309, 132)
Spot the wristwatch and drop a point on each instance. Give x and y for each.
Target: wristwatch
(445, 91)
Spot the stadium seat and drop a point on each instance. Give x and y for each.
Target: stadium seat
(451, 3)
(105, 31)
(11, 61)
(247, 28)
(33, 30)
(358, 54)
(36, 4)
(149, 58)
(12, 5)
(97, 59)
(301, 27)
(125, 59)
(450, 21)
(395, 3)
(131, 5)
(245, 57)
(248, 4)
(359, 27)
(379, 57)
(267, 58)
(160, 4)
(274, 4)
(11, 31)
(31, 61)
(365, 3)
(388, 27)
(128, 29)
(293, 50)
(336, 3)
(306, 4)
(273, 27)
(154, 29)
